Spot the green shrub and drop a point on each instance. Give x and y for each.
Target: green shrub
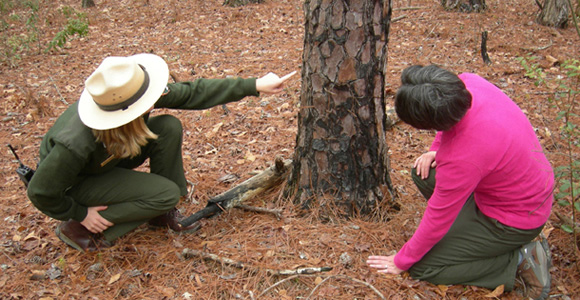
(77, 23)
(566, 88)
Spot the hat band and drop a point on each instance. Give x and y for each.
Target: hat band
(125, 104)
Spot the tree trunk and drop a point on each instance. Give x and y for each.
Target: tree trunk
(554, 13)
(88, 3)
(464, 5)
(341, 149)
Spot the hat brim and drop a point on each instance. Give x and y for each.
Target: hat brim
(96, 118)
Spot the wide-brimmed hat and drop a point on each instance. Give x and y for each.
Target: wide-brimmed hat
(122, 89)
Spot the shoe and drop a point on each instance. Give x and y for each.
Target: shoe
(534, 270)
(74, 234)
(172, 220)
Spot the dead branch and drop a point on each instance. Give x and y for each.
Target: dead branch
(409, 8)
(276, 212)
(324, 280)
(276, 284)
(534, 49)
(349, 278)
(243, 192)
(398, 18)
(189, 253)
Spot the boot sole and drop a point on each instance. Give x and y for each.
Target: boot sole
(66, 240)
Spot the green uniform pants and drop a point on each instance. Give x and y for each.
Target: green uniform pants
(135, 197)
(477, 250)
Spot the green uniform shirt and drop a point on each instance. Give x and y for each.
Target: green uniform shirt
(69, 152)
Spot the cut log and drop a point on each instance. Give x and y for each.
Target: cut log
(243, 192)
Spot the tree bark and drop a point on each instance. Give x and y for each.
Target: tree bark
(464, 5)
(554, 13)
(484, 54)
(88, 3)
(341, 150)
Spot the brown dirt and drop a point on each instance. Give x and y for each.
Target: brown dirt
(206, 39)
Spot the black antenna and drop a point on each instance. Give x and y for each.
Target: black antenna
(25, 173)
(15, 155)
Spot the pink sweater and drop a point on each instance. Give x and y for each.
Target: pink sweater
(494, 153)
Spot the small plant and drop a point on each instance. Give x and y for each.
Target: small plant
(566, 88)
(77, 23)
(16, 44)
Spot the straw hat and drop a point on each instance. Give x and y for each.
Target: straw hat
(122, 89)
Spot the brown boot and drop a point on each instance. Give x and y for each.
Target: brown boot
(74, 234)
(171, 219)
(534, 270)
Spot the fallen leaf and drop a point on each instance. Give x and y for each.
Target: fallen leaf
(207, 243)
(250, 156)
(114, 278)
(496, 293)
(167, 292)
(442, 289)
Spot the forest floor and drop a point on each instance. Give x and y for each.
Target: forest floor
(206, 39)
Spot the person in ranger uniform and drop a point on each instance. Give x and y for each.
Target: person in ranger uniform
(85, 176)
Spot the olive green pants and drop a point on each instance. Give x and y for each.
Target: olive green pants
(135, 197)
(477, 250)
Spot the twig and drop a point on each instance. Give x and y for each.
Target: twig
(187, 253)
(568, 221)
(276, 212)
(398, 18)
(349, 278)
(7, 256)
(409, 8)
(190, 193)
(251, 295)
(538, 48)
(57, 90)
(276, 284)
(317, 286)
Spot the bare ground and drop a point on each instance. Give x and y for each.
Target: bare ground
(205, 39)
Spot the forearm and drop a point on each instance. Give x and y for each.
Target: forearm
(206, 93)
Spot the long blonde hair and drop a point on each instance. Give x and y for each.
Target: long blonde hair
(126, 141)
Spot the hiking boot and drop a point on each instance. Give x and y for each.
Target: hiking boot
(74, 234)
(172, 220)
(534, 270)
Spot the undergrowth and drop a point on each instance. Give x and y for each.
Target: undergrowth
(564, 90)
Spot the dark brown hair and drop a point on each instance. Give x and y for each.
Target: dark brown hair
(431, 98)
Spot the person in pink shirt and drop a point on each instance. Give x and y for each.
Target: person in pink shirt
(487, 182)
